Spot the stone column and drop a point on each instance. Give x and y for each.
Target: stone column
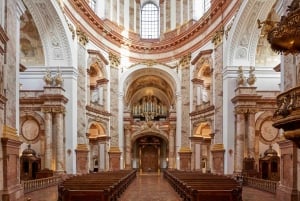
(172, 161)
(127, 147)
(48, 141)
(239, 142)
(251, 134)
(60, 154)
(287, 188)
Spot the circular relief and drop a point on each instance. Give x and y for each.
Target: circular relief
(30, 129)
(268, 132)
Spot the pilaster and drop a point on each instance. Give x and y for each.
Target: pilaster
(12, 189)
(114, 158)
(82, 152)
(217, 152)
(185, 154)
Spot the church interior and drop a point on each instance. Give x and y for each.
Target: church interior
(94, 86)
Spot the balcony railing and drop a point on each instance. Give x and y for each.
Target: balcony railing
(287, 115)
(36, 184)
(261, 184)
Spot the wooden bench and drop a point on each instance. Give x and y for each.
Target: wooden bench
(196, 186)
(104, 186)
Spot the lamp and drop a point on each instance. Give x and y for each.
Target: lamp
(284, 36)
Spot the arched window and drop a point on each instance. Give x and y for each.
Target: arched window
(149, 21)
(92, 4)
(206, 5)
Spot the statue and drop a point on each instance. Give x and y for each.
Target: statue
(251, 80)
(48, 79)
(58, 79)
(241, 78)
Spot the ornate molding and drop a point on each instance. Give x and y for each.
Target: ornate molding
(82, 36)
(217, 38)
(185, 61)
(10, 133)
(114, 60)
(133, 42)
(99, 56)
(245, 110)
(151, 63)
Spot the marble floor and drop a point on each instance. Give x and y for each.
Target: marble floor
(152, 187)
(149, 187)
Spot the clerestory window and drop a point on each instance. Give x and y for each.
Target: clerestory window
(150, 21)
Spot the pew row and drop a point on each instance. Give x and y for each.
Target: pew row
(102, 186)
(197, 186)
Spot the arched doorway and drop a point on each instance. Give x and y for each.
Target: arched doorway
(150, 154)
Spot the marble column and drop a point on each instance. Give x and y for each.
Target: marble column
(60, 164)
(251, 134)
(239, 142)
(127, 147)
(172, 161)
(48, 140)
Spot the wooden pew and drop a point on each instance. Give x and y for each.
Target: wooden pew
(196, 186)
(104, 186)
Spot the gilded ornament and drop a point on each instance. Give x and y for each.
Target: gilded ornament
(82, 37)
(48, 79)
(241, 78)
(114, 60)
(251, 80)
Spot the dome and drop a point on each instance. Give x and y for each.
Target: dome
(270, 152)
(29, 152)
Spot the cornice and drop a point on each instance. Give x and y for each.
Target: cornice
(202, 53)
(98, 54)
(136, 45)
(203, 111)
(97, 111)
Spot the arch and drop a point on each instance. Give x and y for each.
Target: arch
(147, 132)
(166, 74)
(242, 43)
(95, 130)
(203, 129)
(53, 30)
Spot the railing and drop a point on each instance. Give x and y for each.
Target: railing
(33, 185)
(261, 184)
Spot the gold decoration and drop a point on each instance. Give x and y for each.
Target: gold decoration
(10, 133)
(58, 79)
(185, 61)
(82, 37)
(185, 150)
(82, 147)
(114, 149)
(217, 39)
(48, 78)
(241, 78)
(217, 147)
(71, 28)
(284, 36)
(114, 60)
(251, 80)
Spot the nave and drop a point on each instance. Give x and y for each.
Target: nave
(150, 187)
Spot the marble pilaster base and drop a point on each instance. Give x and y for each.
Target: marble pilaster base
(217, 153)
(185, 155)
(114, 158)
(82, 152)
(12, 190)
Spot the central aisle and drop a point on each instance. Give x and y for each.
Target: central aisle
(150, 187)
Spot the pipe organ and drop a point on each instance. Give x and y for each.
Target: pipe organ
(149, 108)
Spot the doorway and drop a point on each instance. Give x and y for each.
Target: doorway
(149, 158)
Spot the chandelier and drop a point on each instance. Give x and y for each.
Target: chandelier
(284, 36)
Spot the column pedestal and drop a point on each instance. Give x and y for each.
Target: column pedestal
(12, 189)
(287, 189)
(82, 152)
(114, 158)
(185, 155)
(217, 152)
